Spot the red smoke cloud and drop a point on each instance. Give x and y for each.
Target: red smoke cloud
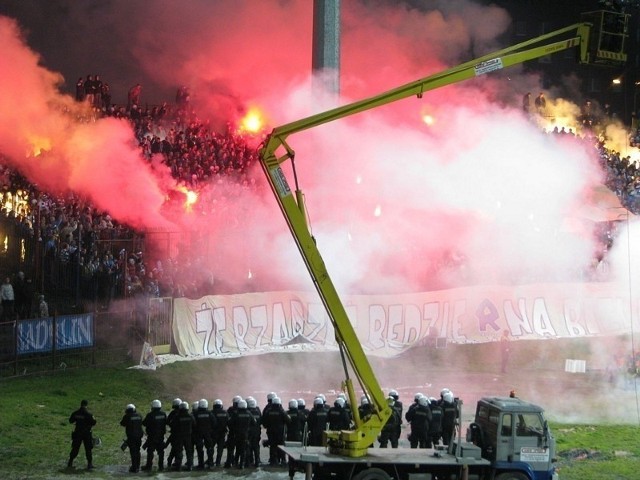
(391, 200)
(42, 137)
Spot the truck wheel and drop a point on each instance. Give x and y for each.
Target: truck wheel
(372, 474)
(512, 476)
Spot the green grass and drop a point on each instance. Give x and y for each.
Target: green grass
(609, 452)
(35, 439)
(35, 433)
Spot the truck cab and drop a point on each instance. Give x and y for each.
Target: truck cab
(515, 437)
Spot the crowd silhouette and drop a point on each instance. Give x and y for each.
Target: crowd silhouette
(79, 242)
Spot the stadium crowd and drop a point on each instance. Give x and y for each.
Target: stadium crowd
(79, 243)
(196, 432)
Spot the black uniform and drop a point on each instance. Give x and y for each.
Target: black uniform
(316, 424)
(275, 421)
(169, 442)
(205, 427)
(419, 417)
(182, 426)
(231, 441)
(132, 422)
(395, 435)
(305, 412)
(239, 426)
(220, 431)
(449, 415)
(155, 423)
(295, 425)
(338, 418)
(84, 421)
(435, 426)
(255, 432)
(389, 430)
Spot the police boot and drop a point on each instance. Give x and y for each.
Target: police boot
(160, 463)
(70, 464)
(147, 466)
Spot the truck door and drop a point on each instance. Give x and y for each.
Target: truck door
(504, 440)
(529, 445)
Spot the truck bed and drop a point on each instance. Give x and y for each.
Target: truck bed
(382, 456)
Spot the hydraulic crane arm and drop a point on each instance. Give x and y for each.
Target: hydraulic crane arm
(355, 442)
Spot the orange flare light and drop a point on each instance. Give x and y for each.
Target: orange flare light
(38, 144)
(252, 122)
(191, 197)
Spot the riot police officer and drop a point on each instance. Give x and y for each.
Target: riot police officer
(155, 423)
(275, 420)
(419, 418)
(132, 422)
(316, 422)
(182, 426)
(220, 431)
(239, 426)
(205, 426)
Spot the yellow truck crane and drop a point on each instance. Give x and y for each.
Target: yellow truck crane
(509, 439)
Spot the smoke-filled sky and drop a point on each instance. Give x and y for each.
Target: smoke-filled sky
(383, 188)
(390, 199)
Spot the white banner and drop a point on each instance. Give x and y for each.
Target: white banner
(387, 325)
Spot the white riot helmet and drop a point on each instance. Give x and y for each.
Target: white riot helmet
(364, 400)
(184, 406)
(321, 395)
(271, 396)
(339, 402)
(443, 391)
(394, 394)
(176, 402)
(156, 404)
(448, 397)
(203, 403)
(342, 396)
(130, 408)
(242, 404)
(251, 403)
(293, 403)
(423, 401)
(217, 402)
(318, 401)
(417, 396)
(195, 405)
(237, 399)
(301, 402)
(276, 401)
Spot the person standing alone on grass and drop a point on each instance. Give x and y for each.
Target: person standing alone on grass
(505, 350)
(84, 422)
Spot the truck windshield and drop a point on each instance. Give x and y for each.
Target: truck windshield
(529, 424)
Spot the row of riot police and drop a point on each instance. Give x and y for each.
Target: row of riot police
(197, 431)
(432, 420)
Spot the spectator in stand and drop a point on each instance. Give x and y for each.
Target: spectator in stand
(133, 97)
(43, 307)
(8, 299)
(21, 294)
(106, 97)
(80, 89)
(541, 104)
(89, 91)
(97, 92)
